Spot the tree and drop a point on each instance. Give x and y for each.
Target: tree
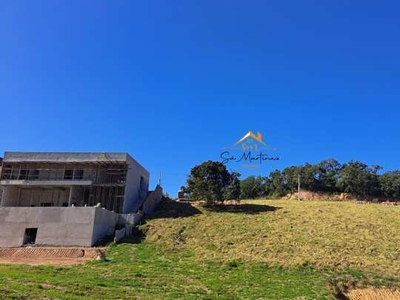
(232, 191)
(208, 182)
(358, 178)
(252, 187)
(276, 184)
(390, 184)
(327, 174)
(307, 175)
(290, 176)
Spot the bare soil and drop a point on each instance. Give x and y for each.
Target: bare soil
(373, 294)
(49, 255)
(315, 196)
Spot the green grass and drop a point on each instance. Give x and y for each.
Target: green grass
(144, 272)
(259, 250)
(340, 235)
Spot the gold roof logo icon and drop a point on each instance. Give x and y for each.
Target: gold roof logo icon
(250, 134)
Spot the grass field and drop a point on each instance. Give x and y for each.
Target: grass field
(291, 233)
(258, 250)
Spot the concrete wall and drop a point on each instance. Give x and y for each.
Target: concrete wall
(104, 224)
(62, 226)
(131, 219)
(66, 226)
(152, 200)
(119, 234)
(135, 194)
(9, 193)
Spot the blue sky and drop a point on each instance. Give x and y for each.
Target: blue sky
(173, 82)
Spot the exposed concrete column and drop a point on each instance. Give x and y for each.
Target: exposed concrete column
(71, 189)
(3, 197)
(19, 196)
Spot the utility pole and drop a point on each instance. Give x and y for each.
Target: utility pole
(298, 187)
(159, 180)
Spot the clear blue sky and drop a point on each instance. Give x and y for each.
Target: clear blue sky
(173, 82)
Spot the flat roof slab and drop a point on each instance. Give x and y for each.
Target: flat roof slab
(64, 157)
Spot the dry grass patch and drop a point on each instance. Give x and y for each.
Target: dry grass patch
(373, 294)
(342, 235)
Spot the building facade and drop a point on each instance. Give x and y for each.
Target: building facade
(67, 198)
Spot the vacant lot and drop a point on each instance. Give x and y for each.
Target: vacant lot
(291, 233)
(258, 250)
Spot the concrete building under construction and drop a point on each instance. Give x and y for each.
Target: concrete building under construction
(55, 198)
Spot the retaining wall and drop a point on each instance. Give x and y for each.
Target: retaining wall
(62, 226)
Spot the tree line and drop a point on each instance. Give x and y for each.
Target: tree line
(211, 181)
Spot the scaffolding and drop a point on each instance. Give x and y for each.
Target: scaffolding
(104, 183)
(97, 173)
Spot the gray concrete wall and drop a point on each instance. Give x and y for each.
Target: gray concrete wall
(134, 194)
(66, 226)
(152, 200)
(131, 219)
(9, 193)
(104, 224)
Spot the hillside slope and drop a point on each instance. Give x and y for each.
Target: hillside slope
(341, 235)
(257, 250)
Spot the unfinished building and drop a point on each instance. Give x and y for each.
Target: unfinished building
(67, 198)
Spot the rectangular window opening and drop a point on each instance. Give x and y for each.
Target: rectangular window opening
(78, 174)
(68, 174)
(30, 236)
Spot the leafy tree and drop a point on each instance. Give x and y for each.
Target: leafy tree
(208, 182)
(290, 176)
(307, 175)
(327, 173)
(276, 184)
(232, 191)
(358, 178)
(390, 184)
(211, 181)
(252, 187)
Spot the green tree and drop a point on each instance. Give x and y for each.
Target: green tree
(208, 182)
(252, 187)
(290, 176)
(232, 191)
(357, 178)
(307, 175)
(390, 184)
(276, 184)
(327, 173)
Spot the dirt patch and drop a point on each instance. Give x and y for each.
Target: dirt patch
(49, 255)
(373, 294)
(307, 195)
